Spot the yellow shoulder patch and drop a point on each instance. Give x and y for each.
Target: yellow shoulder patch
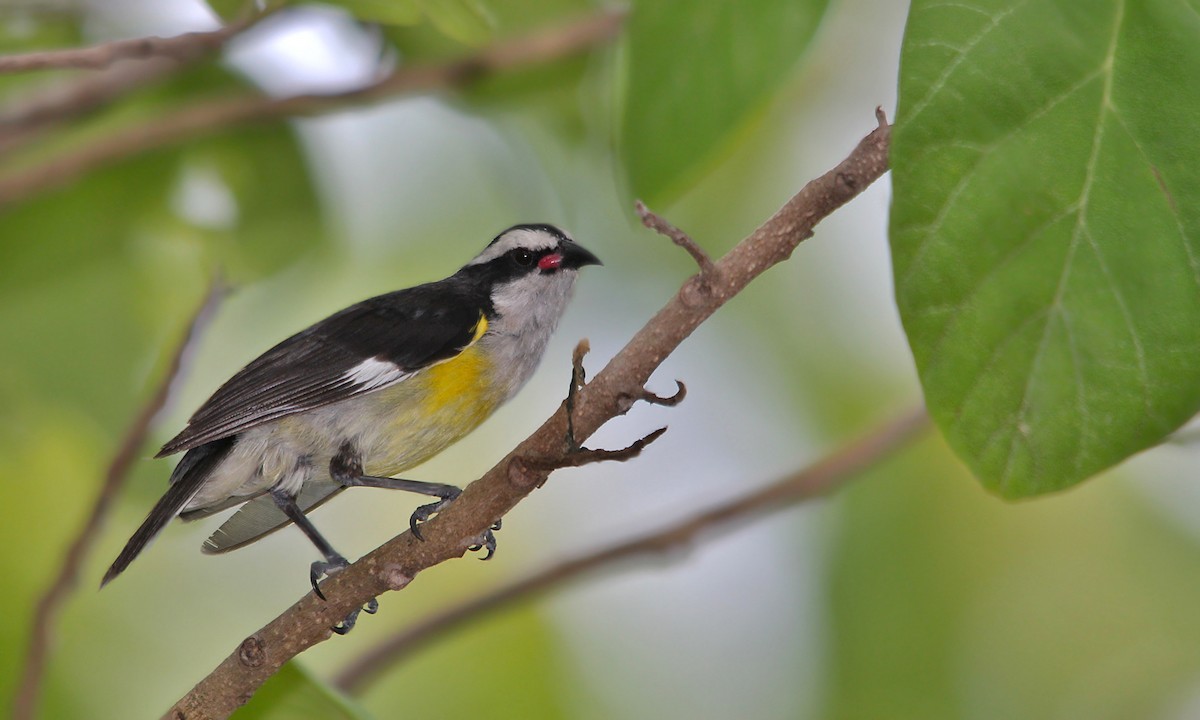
(480, 327)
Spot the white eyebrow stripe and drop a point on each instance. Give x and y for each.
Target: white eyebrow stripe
(374, 373)
(520, 237)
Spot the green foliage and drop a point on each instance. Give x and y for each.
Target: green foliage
(697, 74)
(293, 693)
(947, 604)
(230, 9)
(388, 12)
(1045, 194)
(1045, 233)
(470, 22)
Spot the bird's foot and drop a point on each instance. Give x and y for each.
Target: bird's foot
(425, 512)
(332, 566)
(325, 568)
(347, 623)
(487, 542)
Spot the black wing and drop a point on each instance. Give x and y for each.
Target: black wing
(402, 332)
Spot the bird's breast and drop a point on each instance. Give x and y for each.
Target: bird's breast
(426, 413)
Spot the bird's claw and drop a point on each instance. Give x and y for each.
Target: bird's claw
(425, 512)
(332, 567)
(325, 568)
(488, 543)
(347, 624)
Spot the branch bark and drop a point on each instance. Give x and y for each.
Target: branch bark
(395, 563)
(47, 609)
(210, 117)
(820, 478)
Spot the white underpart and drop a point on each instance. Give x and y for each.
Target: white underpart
(527, 311)
(374, 373)
(521, 237)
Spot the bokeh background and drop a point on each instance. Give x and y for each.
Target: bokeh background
(912, 593)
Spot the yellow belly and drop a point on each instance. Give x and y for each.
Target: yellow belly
(435, 408)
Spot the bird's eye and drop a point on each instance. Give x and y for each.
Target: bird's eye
(523, 257)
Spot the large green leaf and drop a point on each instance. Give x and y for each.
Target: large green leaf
(697, 73)
(295, 694)
(1046, 229)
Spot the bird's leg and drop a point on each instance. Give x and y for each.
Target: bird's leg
(346, 469)
(446, 494)
(333, 562)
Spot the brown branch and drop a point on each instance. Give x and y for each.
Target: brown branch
(47, 609)
(210, 117)
(659, 224)
(180, 48)
(827, 474)
(397, 562)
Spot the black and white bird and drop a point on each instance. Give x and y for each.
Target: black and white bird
(366, 394)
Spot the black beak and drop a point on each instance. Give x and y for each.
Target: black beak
(575, 255)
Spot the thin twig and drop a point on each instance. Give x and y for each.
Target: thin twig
(659, 224)
(181, 48)
(47, 609)
(818, 479)
(398, 561)
(210, 117)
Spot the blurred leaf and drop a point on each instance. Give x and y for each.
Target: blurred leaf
(388, 12)
(947, 604)
(457, 677)
(1046, 230)
(429, 43)
(278, 214)
(97, 277)
(467, 21)
(698, 73)
(295, 694)
(470, 22)
(549, 93)
(228, 9)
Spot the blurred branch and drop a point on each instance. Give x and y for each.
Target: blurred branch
(211, 117)
(827, 474)
(181, 48)
(393, 565)
(50, 106)
(47, 609)
(125, 66)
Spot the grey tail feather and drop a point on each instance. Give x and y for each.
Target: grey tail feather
(261, 517)
(189, 475)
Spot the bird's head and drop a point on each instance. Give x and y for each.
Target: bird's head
(530, 270)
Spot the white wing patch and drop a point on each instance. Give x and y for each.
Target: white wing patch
(374, 373)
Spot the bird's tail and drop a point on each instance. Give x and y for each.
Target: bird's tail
(189, 475)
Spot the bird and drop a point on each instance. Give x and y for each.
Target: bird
(367, 394)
